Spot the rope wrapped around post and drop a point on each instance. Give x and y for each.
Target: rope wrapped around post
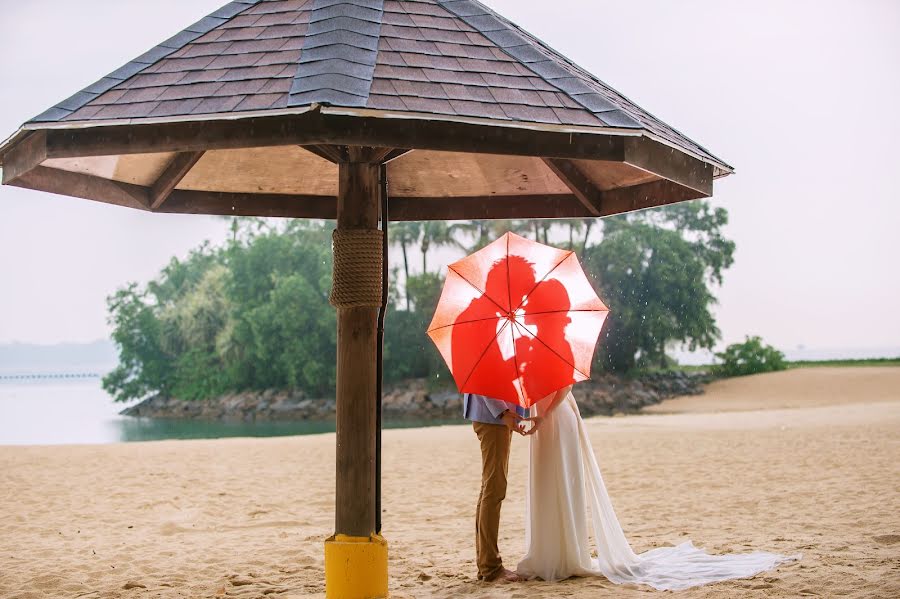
(357, 268)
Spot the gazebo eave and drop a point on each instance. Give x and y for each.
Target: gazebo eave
(249, 138)
(681, 175)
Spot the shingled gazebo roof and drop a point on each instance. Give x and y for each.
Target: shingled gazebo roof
(440, 61)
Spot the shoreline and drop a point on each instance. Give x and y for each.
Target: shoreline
(411, 400)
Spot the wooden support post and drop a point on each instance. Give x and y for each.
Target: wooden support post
(358, 202)
(356, 557)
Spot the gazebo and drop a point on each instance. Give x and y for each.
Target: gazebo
(363, 111)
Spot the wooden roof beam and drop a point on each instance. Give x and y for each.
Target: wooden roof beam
(395, 154)
(24, 156)
(318, 129)
(339, 154)
(636, 197)
(88, 187)
(251, 204)
(333, 154)
(578, 183)
(178, 168)
(670, 163)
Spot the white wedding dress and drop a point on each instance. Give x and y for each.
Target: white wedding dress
(564, 485)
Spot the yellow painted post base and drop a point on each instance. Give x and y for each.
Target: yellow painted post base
(356, 567)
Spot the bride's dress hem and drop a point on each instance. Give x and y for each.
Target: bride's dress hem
(565, 484)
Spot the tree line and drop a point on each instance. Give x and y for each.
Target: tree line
(253, 314)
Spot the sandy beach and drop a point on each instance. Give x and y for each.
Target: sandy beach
(805, 461)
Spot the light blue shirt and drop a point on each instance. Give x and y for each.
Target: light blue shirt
(479, 408)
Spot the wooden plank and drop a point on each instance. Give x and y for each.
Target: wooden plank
(586, 192)
(647, 195)
(88, 187)
(395, 154)
(278, 170)
(318, 129)
(669, 163)
(180, 165)
(250, 204)
(488, 207)
(425, 173)
(627, 199)
(380, 155)
(24, 156)
(356, 377)
(333, 154)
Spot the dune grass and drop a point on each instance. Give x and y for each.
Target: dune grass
(864, 362)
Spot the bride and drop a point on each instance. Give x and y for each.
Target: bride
(564, 484)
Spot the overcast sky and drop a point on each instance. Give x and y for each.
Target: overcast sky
(801, 97)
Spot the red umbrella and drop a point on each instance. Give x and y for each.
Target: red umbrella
(517, 321)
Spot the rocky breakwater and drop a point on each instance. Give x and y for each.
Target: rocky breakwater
(412, 401)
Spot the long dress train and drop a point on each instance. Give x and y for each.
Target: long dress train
(564, 482)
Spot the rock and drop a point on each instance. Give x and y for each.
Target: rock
(606, 394)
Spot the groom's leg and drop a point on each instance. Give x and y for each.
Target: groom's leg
(495, 441)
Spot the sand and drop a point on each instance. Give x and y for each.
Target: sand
(806, 467)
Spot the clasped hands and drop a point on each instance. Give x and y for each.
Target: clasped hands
(516, 423)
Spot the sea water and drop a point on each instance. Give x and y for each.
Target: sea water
(76, 411)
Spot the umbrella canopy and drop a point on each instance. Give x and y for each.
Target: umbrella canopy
(517, 320)
(247, 112)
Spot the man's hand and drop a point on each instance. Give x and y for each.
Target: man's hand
(513, 422)
(535, 424)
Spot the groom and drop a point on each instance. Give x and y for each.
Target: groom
(494, 422)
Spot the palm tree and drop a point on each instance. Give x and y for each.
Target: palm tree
(405, 234)
(588, 223)
(483, 232)
(438, 233)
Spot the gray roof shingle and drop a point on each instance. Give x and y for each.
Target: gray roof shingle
(455, 58)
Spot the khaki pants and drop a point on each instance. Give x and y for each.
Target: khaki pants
(495, 441)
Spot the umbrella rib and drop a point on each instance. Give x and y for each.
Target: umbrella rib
(566, 311)
(519, 391)
(456, 322)
(566, 362)
(475, 287)
(484, 351)
(508, 284)
(544, 278)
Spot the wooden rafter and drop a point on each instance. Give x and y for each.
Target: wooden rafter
(250, 204)
(670, 163)
(178, 168)
(636, 197)
(23, 157)
(395, 154)
(84, 186)
(578, 183)
(333, 154)
(340, 154)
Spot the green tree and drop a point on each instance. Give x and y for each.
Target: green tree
(144, 367)
(194, 324)
(405, 234)
(407, 350)
(749, 357)
(654, 271)
(437, 233)
(254, 315)
(268, 331)
(483, 232)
